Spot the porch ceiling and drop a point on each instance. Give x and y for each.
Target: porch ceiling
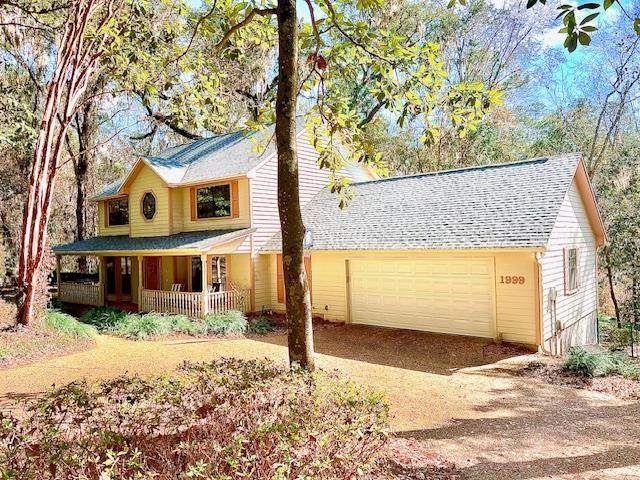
(181, 243)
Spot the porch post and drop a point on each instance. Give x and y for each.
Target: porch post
(58, 274)
(140, 283)
(102, 267)
(205, 303)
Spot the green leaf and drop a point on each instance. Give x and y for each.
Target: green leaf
(636, 26)
(588, 6)
(588, 18)
(531, 3)
(607, 4)
(584, 38)
(588, 28)
(571, 42)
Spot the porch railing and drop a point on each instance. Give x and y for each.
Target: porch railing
(162, 301)
(81, 293)
(220, 302)
(192, 304)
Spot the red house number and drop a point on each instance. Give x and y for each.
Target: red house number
(512, 279)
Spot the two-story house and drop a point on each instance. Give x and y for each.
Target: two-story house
(501, 251)
(182, 231)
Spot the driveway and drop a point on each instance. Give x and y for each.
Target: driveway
(445, 393)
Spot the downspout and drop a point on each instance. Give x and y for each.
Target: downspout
(542, 348)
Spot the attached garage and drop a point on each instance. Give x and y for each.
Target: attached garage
(448, 295)
(483, 251)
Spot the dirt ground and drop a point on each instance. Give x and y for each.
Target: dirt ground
(449, 394)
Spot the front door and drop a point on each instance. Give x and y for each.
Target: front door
(152, 273)
(118, 275)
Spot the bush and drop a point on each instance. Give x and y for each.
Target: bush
(613, 337)
(225, 419)
(261, 325)
(582, 362)
(68, 325)
(232, 322)
(104, 318)
(141, 327)
(601, 364)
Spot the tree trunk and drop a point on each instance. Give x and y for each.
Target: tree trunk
(298, 300)
(74, 67)
(86, 126)
(612, 291)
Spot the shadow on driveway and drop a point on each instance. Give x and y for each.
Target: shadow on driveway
(407, 349)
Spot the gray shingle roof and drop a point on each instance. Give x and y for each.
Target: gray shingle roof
(223, 156)
(200, 241)
(498, 206)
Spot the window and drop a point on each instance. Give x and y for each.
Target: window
(571, 270)
(118, 212)
(214, 201)
(149, 206)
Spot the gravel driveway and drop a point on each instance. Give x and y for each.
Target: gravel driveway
(446, 393)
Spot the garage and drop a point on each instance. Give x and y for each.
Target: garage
(448, 295)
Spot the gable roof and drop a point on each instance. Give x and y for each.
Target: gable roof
(224, 156)
(511, 205)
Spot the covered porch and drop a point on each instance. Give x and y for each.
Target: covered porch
(192, 281)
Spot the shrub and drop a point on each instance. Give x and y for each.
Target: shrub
(581, 362)
(183, 324)
(68, 325)
(141, 327)
(261, 325)
(225, 419)
(613, 337)
(104, 318)
(232, 322)
(601, 364)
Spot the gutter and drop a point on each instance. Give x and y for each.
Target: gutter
(541, 346)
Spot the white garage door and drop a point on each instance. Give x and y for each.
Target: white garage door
(446, 295)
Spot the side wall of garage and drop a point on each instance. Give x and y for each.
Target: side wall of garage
(512, 283)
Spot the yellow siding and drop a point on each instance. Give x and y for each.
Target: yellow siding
(262, 282)
(105, 231)
(239, 268)
(177, 209)
(515, 304)
(242, 221)
(147, 180)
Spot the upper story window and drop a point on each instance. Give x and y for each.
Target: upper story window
(571, 270)
(149, 205)
(214, 201)
(117, 212)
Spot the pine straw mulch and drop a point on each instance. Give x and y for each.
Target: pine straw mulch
(20, 346)
(553, 372)
(411, 459)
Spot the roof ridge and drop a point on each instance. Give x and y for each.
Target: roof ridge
(474, 167)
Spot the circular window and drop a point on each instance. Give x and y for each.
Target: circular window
(149, 205)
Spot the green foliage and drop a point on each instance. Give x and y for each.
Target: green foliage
(68, 325)
(582, 362)
(144, 326)
(261, 325)
(611, 336)
(225, 419)
(601, 364)
(232, 322)
(104, 318)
